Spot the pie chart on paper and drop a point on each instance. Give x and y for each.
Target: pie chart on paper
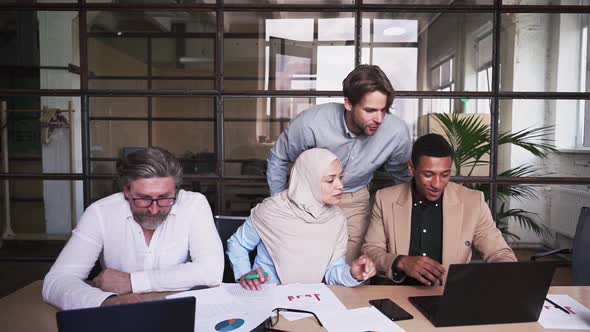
(229, 325)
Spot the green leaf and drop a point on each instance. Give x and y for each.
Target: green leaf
(527, 220)
(470, 138)
(534, 140)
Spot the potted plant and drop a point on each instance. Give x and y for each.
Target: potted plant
(199, 162)
(187, 161)
(470, 137)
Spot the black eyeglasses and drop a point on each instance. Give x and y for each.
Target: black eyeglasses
(273, 320)
(147, 202)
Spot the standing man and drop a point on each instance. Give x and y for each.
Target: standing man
(151, 237)
(418, 229)
(361, 132)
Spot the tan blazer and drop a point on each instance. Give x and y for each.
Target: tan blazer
(467, 222)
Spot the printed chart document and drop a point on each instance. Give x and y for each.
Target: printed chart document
(310, 297)
(553, 318)
(229, 308)
(354, 320)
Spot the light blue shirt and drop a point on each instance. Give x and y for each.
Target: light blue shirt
(246, 238)
(323, 126)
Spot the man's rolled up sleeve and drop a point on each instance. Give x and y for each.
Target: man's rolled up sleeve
(65, 286)
(397, 164)
(292, 141)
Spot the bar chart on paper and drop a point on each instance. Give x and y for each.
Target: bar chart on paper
(311, 297)
(551, 317)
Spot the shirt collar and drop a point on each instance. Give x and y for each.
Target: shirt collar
(348, 133)
(128, 212)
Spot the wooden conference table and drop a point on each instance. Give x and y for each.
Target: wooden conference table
(24, 310)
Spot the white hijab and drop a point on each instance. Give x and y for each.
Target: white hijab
(302, 234)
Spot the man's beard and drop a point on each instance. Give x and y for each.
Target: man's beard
(360, 126)
(148, 221)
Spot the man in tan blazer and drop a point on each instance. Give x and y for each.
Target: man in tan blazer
(418, 229)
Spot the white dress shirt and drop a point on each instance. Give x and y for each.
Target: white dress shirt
(185, 251)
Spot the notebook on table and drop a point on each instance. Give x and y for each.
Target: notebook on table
(162, 315)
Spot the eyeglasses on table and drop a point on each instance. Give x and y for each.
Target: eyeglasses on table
(273, 320)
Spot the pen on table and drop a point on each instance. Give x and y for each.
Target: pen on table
(557, 306)
(254, 276)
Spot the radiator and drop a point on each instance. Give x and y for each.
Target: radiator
(565, 205)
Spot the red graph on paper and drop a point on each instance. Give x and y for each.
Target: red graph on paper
(305, 298)
(568, 308)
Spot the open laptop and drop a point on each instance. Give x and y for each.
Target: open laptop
(491, 293)
(163, 315)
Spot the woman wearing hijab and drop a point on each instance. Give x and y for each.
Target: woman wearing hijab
(300, 234)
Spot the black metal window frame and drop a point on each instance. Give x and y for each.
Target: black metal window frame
(219, 93)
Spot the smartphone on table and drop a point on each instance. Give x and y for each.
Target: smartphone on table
(390, 309)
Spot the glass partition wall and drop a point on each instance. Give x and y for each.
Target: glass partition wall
(83, 82)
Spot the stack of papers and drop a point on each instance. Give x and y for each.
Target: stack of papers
(230, 307)
(239, 309)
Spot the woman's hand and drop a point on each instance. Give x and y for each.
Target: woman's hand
(254, 283)
(362, 268)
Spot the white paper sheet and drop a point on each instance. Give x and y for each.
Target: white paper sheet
(355, 320)
(226, 303)
(311, 297)
(231, 301)
(553, 318)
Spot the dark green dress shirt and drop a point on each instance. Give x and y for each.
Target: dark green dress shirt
(426, 232)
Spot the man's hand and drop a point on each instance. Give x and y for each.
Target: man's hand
(362, 268)
(121, 299)
(422, 268)
(254, 284)
(114, 281)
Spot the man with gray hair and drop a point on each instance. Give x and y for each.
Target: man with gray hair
(150, 237)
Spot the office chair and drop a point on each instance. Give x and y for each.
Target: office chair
(202, 163)
(252, 194)
(205, 163)
(254, 167)
(130, 149)
(580, 251)
(226, 227)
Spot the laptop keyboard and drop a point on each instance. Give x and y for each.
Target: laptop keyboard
(428, 304)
